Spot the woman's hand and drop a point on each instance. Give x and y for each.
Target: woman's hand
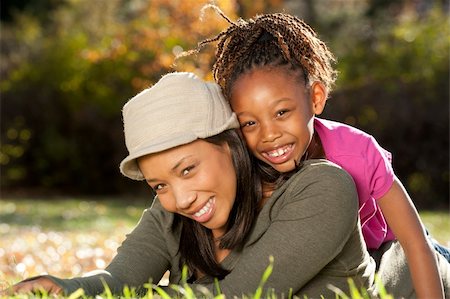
(38, 284)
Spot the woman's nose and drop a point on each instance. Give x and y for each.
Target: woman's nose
(184, 199)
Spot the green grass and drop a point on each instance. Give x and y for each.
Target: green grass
(438, 224)
(105, 214)
(65, 237)
(70, 236)
(72, 213)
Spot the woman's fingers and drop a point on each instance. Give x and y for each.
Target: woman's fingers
(32, 286)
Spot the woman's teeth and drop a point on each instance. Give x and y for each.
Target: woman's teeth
(205, 209)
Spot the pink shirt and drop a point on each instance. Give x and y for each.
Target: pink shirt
(370, 166)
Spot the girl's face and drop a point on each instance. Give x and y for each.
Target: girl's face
(276, 115)
(196, 180)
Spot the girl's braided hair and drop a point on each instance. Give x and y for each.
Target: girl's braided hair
(276, 39)
(270, 40)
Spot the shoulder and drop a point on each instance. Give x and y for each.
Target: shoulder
(320, 169)
(340, 139)
(324, 180)
(332, 131)
(320, 186)
(156, 227)
(338, 127)
(157, 216)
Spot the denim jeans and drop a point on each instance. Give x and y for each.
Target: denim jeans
(444, 251)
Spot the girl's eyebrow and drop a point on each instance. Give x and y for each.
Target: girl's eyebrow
(280, 101)
(177, 165)
(243, 113)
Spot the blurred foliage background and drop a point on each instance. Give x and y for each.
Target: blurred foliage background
(68, 66)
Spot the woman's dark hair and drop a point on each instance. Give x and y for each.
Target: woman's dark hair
(197, 242)
(272, 40)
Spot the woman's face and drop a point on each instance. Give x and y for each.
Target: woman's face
(196, 180)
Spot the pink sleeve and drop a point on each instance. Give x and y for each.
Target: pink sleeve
(379, 171)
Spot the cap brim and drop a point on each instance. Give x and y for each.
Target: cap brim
(129, 166)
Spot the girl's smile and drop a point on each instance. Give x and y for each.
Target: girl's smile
(276, 113)
(279, 154)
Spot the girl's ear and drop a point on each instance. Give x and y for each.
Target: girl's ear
(319, 95)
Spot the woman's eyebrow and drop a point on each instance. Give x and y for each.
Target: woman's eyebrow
(179, 163)
(173, 169)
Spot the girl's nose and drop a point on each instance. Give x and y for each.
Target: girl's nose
(184, 199)
(270, 133)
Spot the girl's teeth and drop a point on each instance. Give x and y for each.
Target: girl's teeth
(204, 209)
(278, 152)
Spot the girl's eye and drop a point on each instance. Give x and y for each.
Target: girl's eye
(248, 124)
(282, 112)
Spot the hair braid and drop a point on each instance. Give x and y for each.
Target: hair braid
(276, 39)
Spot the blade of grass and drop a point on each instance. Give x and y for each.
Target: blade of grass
(77, 294)
(161, 292)
(264, 278)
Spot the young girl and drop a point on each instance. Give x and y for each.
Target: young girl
(277, 74)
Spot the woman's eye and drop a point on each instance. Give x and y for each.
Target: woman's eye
(158, 187)
(187, 170)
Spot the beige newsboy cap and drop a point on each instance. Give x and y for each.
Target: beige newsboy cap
(177, 110)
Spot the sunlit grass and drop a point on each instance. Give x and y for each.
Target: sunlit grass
(72, 213)
(63, 237)
(438, 224)
(185, 291)
(68, 237)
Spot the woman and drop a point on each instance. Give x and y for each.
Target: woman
(181, 140)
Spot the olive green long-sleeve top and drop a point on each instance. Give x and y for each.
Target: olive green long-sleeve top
(309, 225)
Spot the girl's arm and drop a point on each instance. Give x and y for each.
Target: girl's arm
(403, 219)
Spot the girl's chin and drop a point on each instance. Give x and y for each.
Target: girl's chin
(283, 163)
(284, 167)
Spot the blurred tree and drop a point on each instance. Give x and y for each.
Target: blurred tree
(393, 62)
(249, 8)
(67, 68)
(40, 9)
(64, 83)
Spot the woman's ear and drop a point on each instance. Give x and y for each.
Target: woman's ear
(319, 95)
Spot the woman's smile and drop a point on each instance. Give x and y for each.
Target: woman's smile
(206, 212)
(196, 180)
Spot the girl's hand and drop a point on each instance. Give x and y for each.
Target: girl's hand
(38, 284)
